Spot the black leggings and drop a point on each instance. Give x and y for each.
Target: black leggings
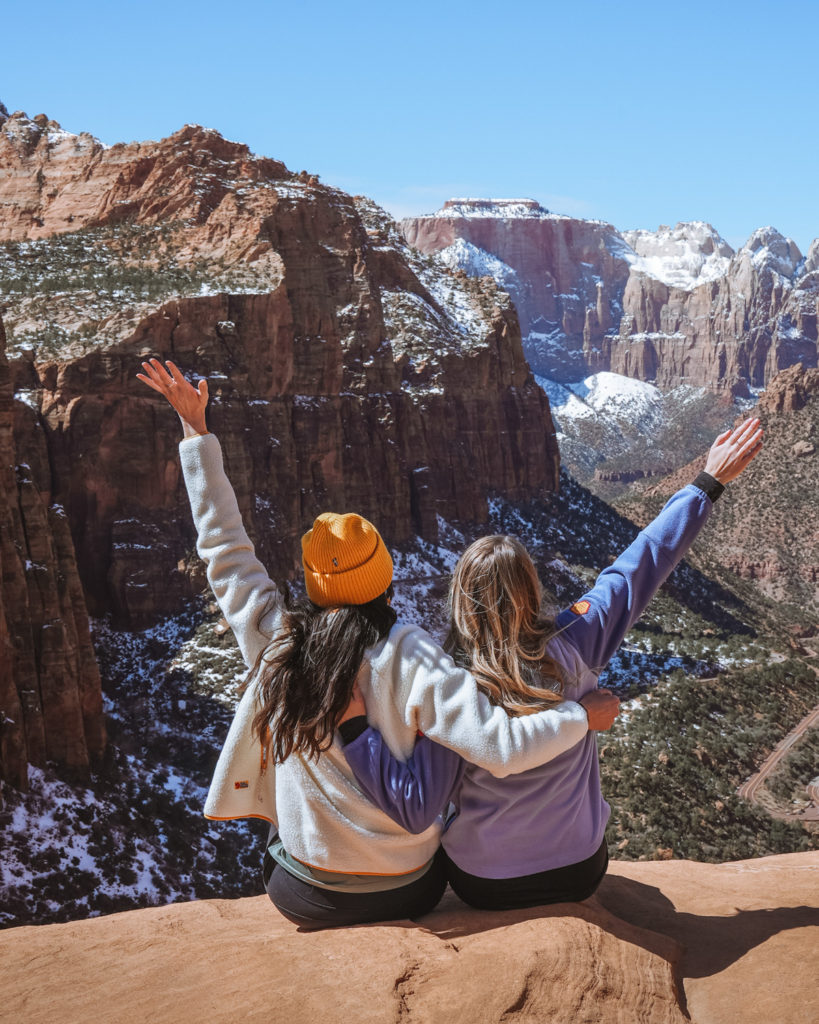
(571, 884)
(313, 907)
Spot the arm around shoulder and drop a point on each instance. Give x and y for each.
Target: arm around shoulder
(444, 702)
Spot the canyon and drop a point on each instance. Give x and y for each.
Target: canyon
(351, 369)
(345, 372)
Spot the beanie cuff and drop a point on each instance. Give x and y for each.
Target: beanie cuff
(344, 583)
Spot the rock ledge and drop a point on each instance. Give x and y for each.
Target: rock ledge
(661, 942)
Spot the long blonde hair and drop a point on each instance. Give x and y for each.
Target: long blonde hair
(497, 627)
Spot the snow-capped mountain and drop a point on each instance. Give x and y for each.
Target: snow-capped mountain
(672, 306)
(615, 430)
(684, 256)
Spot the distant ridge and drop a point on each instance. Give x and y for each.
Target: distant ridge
(673, 306)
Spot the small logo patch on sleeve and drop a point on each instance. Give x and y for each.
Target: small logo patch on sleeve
(581, 607)
(241, 785)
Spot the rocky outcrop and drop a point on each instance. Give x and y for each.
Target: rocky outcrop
(676, 306)
(50, 694)
(54, 181)
(735, 330)
(566, 276)
(663, 942)
(344, 371)
(790, 391)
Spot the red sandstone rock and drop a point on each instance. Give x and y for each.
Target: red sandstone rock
(349, 376)
(764, 527)
(50, 694)
(565, 267)
(662, 943)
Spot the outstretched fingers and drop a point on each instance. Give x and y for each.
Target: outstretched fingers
(162, 374)
(159, 381)
(744, 430)
(752, 441)
(176, 373)
(149, 382)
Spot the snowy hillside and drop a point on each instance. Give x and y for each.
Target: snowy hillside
(684, 256)
(476, 262)
(768, 249)
(613, 430)
(610, 395)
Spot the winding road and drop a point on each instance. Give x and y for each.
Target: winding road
(749, 790)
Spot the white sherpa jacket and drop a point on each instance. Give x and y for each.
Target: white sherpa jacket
(323, 817)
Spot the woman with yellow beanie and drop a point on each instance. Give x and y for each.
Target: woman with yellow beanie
(334, 857)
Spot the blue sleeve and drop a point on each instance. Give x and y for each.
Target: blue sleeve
(597, 623)
(412, 794)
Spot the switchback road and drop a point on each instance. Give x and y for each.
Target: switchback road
(749, 790)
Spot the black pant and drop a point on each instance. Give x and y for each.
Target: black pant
(570, 884)
(313, 907)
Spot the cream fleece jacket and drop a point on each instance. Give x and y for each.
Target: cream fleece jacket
(409, 684)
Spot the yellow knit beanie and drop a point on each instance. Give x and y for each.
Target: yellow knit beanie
(345, 560)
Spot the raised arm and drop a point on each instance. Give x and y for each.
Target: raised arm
(598, 621)
(239, 581)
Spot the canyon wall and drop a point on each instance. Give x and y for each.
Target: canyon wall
(50, 694)
(345, 372)
(675, 306)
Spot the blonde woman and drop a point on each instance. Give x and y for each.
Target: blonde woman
(538, 836)
(333, 857)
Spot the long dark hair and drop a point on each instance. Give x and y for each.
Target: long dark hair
(306, 675)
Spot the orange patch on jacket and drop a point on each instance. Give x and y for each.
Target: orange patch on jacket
(581, 607)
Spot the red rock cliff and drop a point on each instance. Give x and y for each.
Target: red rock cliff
(566, 276)
(50, 695)
(673, 306)
(765, 527)
(345, 372)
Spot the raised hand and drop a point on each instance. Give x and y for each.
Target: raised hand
(602, 707)
(734, 450)
(187, 400)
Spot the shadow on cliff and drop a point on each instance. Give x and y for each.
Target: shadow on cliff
(695, 945)
(710, 943)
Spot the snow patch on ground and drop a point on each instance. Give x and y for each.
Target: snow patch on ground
(477, 262)
(607, 395)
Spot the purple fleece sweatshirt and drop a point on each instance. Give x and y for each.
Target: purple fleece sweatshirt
(555, 814)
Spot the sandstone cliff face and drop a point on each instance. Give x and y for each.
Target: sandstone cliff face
(345, 371)
(50, 695)
(676, 306)
(566, 276)
(54, 181)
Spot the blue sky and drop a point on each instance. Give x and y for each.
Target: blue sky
(637, 113)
